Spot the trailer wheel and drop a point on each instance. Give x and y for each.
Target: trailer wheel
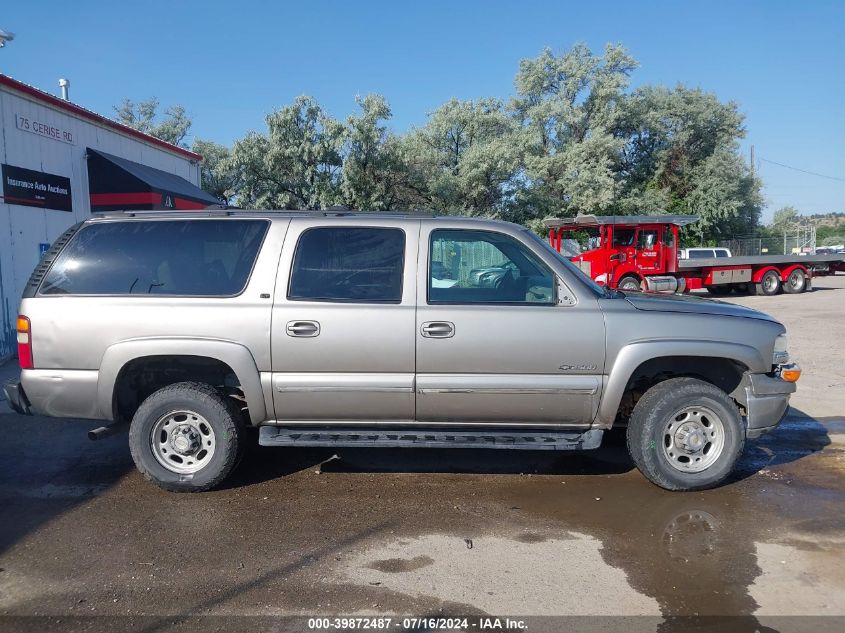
(769, 284)
(796, 282)
(685, 434)
(629, 283)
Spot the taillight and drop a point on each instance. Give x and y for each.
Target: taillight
(24, 343)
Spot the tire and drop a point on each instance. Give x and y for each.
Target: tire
(720, 290)
(769, 284)
(629, 283)
(684, 407)
(795, 283)
(196, 418)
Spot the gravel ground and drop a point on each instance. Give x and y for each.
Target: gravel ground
(421, 532)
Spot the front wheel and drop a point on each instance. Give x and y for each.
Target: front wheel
(685, 434)
(186, 437)
(629, 284)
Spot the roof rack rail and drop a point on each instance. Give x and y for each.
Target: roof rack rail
(222, 212)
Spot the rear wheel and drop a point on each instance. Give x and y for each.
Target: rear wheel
(186, 437)
(629, 284)
(796, 282)
(685, 434)
(768, 285)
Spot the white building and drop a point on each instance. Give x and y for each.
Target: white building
(59, 162)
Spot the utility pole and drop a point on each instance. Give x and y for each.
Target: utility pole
(752, 160)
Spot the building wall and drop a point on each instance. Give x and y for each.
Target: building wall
(23, 228)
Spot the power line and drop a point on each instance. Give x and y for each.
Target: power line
(803, 171)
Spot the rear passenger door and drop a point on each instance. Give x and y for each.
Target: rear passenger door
(343, 322)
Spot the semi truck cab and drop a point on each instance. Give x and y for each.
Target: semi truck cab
(628, 248)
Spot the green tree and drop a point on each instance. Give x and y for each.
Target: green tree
(466, 158)
(681, 155)
(218, 175)
(143, 116)
(785, 218)
(375, 173)
(296, 164)
(724, 195)
(569, 107)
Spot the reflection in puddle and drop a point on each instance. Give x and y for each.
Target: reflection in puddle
(690, 535)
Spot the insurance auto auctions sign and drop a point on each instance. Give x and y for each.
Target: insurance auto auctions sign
(36, 189)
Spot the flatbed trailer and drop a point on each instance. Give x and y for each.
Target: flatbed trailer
(641, 253)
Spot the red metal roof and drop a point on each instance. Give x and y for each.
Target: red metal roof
(67, 106)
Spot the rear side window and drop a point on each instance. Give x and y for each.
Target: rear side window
(349, 264)
(701, 253)
(162, 257)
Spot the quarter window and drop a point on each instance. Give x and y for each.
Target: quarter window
(349, 264)
(472, 267)
(160, 257)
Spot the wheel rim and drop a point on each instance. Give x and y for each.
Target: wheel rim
(630, 285)
(770, 282)
(796, 280)
(693, 439)
(183, 442)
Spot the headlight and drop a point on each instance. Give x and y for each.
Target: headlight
(780, 354)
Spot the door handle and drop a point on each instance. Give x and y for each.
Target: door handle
(303, 328)
(438, 329)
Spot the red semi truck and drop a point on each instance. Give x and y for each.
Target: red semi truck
(641, 253)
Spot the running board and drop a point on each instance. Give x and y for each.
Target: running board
(431, 438)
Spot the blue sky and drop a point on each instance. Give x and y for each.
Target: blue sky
(230, 63)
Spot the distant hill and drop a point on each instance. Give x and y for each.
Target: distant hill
(826, 219)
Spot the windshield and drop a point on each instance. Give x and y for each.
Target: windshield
(598, 289)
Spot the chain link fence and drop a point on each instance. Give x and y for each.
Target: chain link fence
(788, 244)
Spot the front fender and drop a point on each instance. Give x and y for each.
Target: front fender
(236, 356)
(635, 354)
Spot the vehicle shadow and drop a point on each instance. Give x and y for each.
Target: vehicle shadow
(798, 436)
(266, 463)
(48, 467)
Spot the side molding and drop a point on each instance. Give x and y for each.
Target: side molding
(235, 355)
(632, 356)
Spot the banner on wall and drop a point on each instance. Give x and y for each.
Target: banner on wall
(32, 188)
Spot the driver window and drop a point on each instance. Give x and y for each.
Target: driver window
(469, 267)
(646, 240)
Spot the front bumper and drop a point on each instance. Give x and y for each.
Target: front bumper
(767, 403)
(17, 398)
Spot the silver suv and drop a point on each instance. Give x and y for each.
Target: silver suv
(378, 330)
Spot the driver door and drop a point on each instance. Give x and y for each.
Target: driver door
(647, 249)
(494, 345)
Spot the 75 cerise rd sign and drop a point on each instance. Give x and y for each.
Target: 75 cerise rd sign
(28, 124)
